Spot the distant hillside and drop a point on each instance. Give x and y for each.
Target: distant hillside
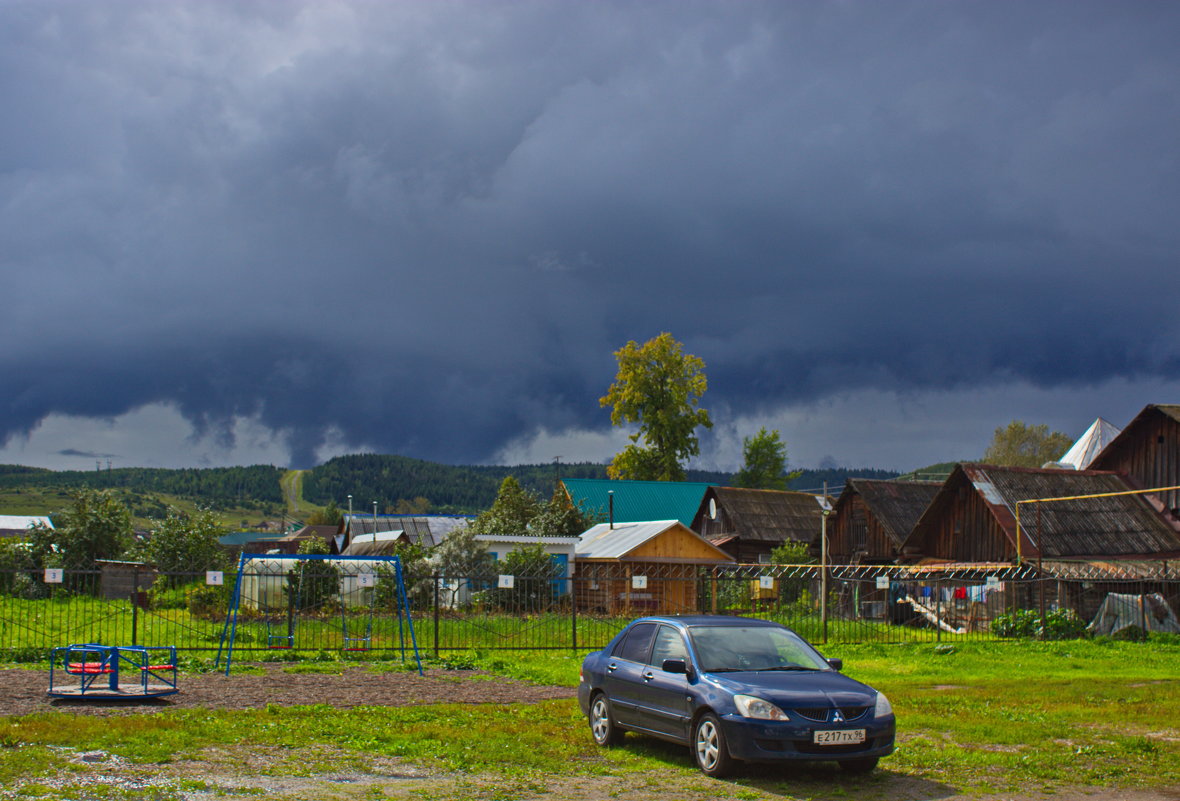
(216, 486)
(388, 479)
(367, 477)
(460, 489)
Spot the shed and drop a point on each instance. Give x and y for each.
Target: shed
(1148, 450)
(124, 580)
(649, 567)
(637, 501)
(749, 523)
(973, 518)
(872, 518)
(424, 530)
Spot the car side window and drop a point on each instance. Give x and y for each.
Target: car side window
(637, 644)
(669, 645)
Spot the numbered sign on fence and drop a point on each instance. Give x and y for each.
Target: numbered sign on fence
(366, 580)
(766, 582)
(214, 578)
(507, 582)
(993, 582)
(54, 575)
(882, 582)
(639, 582)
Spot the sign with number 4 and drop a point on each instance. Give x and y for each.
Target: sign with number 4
(214, 578)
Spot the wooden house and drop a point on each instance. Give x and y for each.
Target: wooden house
(642, 568)
(1148, 451)
(973, 518)
(750, 523)
(872, 518)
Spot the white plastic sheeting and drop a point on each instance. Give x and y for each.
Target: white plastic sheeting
(1120, 611)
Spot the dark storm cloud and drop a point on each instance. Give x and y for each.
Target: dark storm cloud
(428, 225)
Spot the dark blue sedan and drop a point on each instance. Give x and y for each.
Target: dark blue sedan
(733, 689)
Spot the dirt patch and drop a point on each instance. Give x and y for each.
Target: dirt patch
(23, 692)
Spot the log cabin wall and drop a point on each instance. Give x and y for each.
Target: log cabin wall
(855, 533)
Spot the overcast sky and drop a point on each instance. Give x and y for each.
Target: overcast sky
(240, 232)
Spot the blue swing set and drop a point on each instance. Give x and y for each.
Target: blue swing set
(354, 589)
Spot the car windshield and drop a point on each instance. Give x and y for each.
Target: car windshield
(733, 648)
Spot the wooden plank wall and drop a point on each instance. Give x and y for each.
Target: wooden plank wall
(1152, 457)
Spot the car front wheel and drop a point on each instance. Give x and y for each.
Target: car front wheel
(709, 747)
(602, 725)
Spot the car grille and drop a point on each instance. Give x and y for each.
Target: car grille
(823, 714)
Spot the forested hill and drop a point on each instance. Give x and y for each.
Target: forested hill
(389, 480)
(212, 484)
(448, 488)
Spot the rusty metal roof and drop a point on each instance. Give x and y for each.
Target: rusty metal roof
(1119, 525)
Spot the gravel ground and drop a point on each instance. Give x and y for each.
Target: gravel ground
(23, 692)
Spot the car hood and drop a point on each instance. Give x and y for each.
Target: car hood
(798, 688)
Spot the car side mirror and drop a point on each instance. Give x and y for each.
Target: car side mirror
(675, 666)
(836, 662)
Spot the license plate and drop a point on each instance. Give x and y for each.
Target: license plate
(839, 737)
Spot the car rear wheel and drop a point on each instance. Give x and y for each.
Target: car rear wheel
(863, 765)
(709, 747)
(602, 725)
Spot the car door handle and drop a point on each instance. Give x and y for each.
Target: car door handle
(611, 668)
(648, 676)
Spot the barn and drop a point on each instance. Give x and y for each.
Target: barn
(872, 518)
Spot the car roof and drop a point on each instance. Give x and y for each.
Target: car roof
(709, 620)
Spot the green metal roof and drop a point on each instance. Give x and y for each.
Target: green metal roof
(243, 537)
(638, 501)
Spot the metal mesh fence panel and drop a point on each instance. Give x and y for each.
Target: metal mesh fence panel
(353, 607)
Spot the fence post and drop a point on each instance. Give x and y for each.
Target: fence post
(938, 602)
(134, 606)
(573, 612)
(437, 580)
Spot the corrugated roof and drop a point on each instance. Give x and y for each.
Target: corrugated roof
(21, 523)
(425, 530)
(604, 542)
(896, 505)
(638, 501)
(768, 515)
(1119, 525)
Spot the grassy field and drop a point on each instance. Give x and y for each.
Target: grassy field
(985, 719)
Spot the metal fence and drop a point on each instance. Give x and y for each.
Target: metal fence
(544, 610)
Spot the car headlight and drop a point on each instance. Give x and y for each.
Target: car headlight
(758, 708)
(883, 707)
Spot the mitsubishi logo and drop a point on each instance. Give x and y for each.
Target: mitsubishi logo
(836, 716)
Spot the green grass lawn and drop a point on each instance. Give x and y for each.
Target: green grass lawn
(1006, 718)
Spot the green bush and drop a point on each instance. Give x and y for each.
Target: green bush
(207, 602)
(165, 596)
(1060, 624)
